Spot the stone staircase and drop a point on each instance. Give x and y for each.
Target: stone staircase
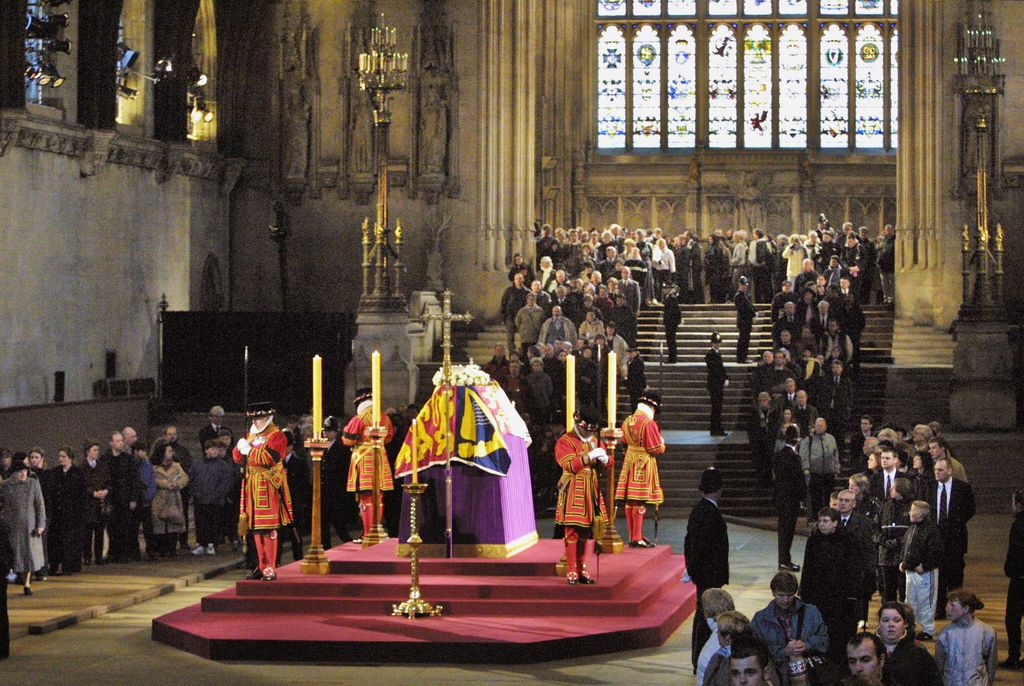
(680, 469)
(921, 345)
(699, 321)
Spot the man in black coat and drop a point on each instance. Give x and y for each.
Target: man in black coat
(862, 531)
(831, 580)
(337, 508)
(636, 379)
(512, 300)
(706, 548)
(299, 485)
(790, 489)
(215, 427)
(836, 402)
(124, 496)
(6, 562)
(745, 314)
(761, 433)
(671, 318)
(717, 381)
(1014, 570)
(952, 501)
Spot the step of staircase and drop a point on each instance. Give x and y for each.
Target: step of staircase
(921, 345)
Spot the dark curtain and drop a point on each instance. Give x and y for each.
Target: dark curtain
(97, 61)
(12, 53)
(172, 31)
(241, 27)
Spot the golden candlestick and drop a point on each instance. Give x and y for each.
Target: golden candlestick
(318, 397)
(377, 533)
(315, 560)
(415, 605)
(610, 541)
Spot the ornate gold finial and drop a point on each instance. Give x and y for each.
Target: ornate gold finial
(378, 232)
(366, 231)
(999, 237)
(398, 232)
(965, 237)
(983, 237)
(982, 122)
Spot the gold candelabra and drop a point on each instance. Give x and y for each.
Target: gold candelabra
(986, 293)
(415, 605)
(315, 561)
(611, 542)
(382, 71)
(377, 533)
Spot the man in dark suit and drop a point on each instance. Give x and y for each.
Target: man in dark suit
(213, 429)
(790, 489)
(745, 314)
(671, 318)
(706, 548)
(952, 501)
(717, 381)
(299, 485)
(804, 414)
(1014, 569)
(836, 401)
(761, 433)
(786, 321)
(862, 531)
(857, 440)
(786, 295)
(337, 508)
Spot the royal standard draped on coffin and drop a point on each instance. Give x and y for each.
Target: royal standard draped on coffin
(492, 504)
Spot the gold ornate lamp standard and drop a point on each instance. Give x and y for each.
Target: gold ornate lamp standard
(382, 71)
(315, 561)
(415, 606)
(610, 437)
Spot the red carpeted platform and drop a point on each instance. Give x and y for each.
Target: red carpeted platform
(510, 610)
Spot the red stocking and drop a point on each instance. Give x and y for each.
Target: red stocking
(270, 550)
(366, 512)
(640, 512)
(257, 540)
(572, 568)
(631, 522)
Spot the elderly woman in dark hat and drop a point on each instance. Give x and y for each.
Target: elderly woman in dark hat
(22, 509)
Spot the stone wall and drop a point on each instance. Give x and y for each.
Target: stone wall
(92, 244)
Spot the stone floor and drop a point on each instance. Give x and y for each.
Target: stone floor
(115, 648)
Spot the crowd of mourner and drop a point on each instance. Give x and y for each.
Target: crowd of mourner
(887, 506)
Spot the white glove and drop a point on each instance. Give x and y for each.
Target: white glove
(599, 455)
(243, 446)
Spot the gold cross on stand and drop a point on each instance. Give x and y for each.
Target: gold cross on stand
(446, 318)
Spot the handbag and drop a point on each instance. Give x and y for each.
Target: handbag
(820, 671)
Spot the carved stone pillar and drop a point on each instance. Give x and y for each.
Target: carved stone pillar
(928, 214)
(507, 50)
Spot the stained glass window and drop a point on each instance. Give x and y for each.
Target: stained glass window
(894, 89)
(869, 88)
(757, 7)
(757, 87)
(682, 8)
(793, 87)
(835, 6)
(722, 87)
(646, 8)
(792, 6)
(834, 88)
(611, 8)
(611, 89)
(682, 88)
(647, 88)
(688, 74)
(722, 8)
(870, 6)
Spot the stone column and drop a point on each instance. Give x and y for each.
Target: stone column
(508, 45)
(928, 214)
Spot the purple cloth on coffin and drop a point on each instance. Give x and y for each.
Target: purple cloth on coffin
(487, 509)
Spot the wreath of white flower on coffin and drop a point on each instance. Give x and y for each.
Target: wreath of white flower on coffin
(464, 375)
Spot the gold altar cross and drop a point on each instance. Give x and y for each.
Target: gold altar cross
(446, 318)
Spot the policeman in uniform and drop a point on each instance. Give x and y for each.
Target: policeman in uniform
(717, 381)
(580, 509)
(639, 484)
(745, 314)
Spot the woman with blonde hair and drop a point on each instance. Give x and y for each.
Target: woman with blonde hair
(794, 254)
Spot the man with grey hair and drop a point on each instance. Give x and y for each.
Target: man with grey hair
(212, 430)
(819, 457)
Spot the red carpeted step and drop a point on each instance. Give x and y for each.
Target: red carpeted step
(488, 617)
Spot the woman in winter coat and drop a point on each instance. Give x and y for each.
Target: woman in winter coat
(68, 502)
(22, 509)
(167, 512)
(794, 255)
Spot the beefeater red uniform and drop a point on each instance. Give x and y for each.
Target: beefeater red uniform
(580, 507)
(361, 471)
(265, 503)
(639, 483)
